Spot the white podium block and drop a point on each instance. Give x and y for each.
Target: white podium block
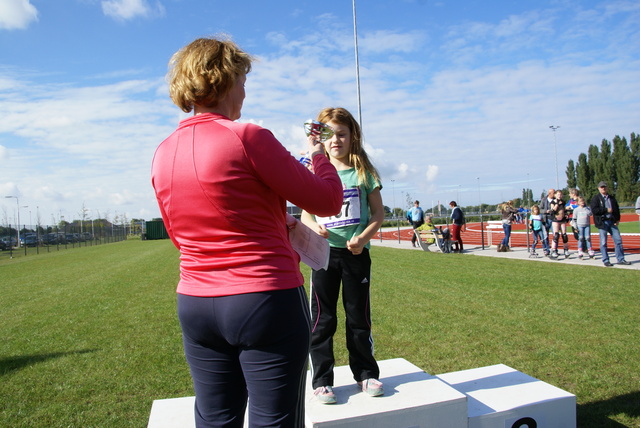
(172, 413)
(175, 413)
(412, 399)
(499, 396)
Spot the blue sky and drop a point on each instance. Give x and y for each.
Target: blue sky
(457, 96)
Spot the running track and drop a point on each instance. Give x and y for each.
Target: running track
(473, 236)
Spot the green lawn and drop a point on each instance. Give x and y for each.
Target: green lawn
(91, 338)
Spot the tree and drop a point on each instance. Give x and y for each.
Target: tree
(585, 180)
(409, 200)
(617, 164)
(634, 143)
(624, 170)
(595, 165)
(571, 174)
(527, 197)
(606, 162)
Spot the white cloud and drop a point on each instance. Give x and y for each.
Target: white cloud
(17, 14)
(432, 172)
(391, 41)
(9, 188)
(123, 10)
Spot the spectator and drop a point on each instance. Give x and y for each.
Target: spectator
(557, 208)
(544, 211)
(427, 226)
(571, 205)
(582, 220)
(457, 223)
(536, 223)
(417, 219)
(606, 216)
(508, 213)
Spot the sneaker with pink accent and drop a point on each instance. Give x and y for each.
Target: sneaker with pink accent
(373, 387)
(325, 395)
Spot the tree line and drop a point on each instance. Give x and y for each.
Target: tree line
(617, 162)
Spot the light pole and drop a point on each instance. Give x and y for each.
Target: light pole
(393, 184)
(355, 44)
(555, 146)
(526, 214)
(480, 209)
(17, 228)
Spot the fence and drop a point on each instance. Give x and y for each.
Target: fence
(34, 240)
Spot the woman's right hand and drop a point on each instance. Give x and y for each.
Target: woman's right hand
(315, 146)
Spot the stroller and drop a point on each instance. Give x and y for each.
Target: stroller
(444, 243)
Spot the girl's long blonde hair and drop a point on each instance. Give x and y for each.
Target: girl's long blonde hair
(357, 155)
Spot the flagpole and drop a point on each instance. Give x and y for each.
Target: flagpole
(355, 39)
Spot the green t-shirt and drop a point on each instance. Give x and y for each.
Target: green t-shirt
(354, 216)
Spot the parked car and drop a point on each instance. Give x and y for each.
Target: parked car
(86, 236)
(51, 239)
(9, 241)
(31, 240)
(3, 246)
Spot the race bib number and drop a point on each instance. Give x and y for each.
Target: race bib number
(350, 213)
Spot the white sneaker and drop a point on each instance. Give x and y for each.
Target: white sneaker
(325, 395)
(373, 387)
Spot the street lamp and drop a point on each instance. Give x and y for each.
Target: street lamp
(17, 228)
(30, 224)
(555, 146)
(393, 184)
(480, 209)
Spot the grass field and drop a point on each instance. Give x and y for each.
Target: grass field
(91, 338)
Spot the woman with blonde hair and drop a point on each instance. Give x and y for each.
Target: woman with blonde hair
(222, 188)
(507, 212)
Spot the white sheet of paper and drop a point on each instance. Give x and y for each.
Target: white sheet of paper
(312, 248)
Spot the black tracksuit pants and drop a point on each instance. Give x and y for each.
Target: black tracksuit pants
(354, 272)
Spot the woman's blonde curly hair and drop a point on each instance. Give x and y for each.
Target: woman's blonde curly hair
(204, 71)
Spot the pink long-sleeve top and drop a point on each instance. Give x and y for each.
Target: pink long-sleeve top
(222, 188)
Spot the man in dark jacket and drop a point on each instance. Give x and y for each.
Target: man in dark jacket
(606, 216)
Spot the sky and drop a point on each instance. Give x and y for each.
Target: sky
(456, 97)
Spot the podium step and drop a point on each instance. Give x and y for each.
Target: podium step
(412, 399)
(500, 396)
(487, 397)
